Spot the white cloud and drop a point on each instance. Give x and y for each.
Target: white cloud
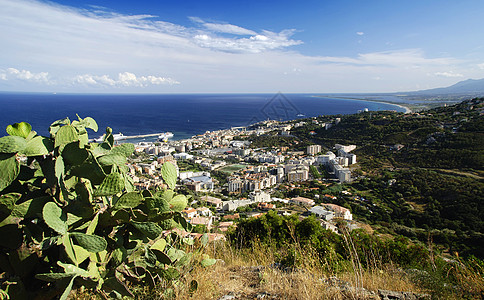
(125, 79)
(448, 74)
(408, 58)
(84, 49)
(481, 66)
(255, 44)
(24, 75)
(360, 33)
(223, 28)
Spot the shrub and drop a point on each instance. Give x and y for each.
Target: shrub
(70, 216)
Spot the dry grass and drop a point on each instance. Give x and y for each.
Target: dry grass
(386, 278)
(248, 273)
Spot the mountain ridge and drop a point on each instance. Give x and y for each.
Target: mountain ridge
(468, 86)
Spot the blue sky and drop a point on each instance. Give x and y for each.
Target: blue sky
(247, 46)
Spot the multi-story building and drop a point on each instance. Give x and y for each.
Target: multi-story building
(300, 173)
(251, 182)
(313, 149)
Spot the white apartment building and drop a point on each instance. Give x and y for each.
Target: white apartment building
(313, 149)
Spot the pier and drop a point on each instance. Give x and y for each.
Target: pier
(142, 135)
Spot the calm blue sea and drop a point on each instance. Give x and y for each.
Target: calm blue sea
(184, 115)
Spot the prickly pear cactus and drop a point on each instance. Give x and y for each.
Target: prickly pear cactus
(69, 214)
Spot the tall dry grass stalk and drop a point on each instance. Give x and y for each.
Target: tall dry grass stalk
(248, 272)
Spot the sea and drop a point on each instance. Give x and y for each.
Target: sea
(184, 115)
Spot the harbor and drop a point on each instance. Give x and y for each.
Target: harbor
(162, 136)
(144, 135)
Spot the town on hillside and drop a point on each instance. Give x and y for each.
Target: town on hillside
(230, 180)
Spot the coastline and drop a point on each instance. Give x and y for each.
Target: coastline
(407, 109)
(401, 105)
(184, 115)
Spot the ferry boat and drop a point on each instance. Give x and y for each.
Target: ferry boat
(165, 136)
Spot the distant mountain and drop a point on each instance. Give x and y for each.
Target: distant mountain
(469, 86)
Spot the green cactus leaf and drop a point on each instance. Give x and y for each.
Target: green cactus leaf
(68, 289)
(94, 272)
(87, 122)
(81, 253)
(182, 221)
(90, 123)
(65, 135)
(208, 262)
(129, 200)
(185, 260)
(204, 239)
(159, 203)
(69, 248)
(30, 208)
(175, 254)
(108, 139)
(114, 284)
(97, 150)
(125, 149)
(112, 159)
(54, 277)
(91, 243)
(84, 191)
(121, 217)
(159, 245)
(12, 144)
(91, 171)
(74, 155)
(9, 169)
(83, 139)
(119, 255)
(39, 145)
(167, 224)
(168, 172)
(93, 224)
(178, 203)
(128, 183)
(70, 182)
(162, 257)
(7, 204)
(31, 135)
(54, 217)
(150, 229)
(111, 185)
(167, 195)
(21, 129)
(55, 126)
(59, 168)
(72, 219)
(72, 269)
(100, 257)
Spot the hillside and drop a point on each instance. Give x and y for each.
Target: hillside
(469, 86)
(422, 172)
(416, 197)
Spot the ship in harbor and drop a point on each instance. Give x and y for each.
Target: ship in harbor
(163, 137)
(116, 136)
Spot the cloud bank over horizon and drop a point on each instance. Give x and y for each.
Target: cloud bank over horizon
(51, 47)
